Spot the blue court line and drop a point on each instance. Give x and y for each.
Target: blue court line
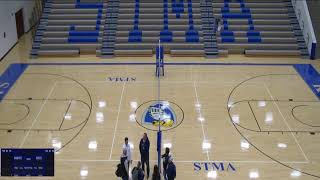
(311, 76)
(9, 77)
(167, 63)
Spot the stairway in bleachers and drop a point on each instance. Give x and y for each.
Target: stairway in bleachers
(142, 23)
(208, 29)
(110, 29)
(258, 27)
(70, 27)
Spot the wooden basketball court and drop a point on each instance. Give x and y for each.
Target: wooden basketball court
(232, 121)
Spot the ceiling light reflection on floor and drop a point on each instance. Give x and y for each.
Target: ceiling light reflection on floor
(131, 145)
(282, 145)
(244, 145)
(206, 145)
(132, 117)
(99, 117)
(254, 174)
(201, 119)
(212, 174)
(93, 145)
(236, 118)
(295, 174)
(167, 145)
(269, 117)
(68, 117)
(133, 105)
(102, 104)
(56, 144)
(261, 103)
(84, 172)
(197, 105)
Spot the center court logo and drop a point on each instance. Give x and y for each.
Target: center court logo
(159, 113)
(153, 113)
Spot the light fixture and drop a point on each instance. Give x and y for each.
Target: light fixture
(230, 104)
(133, 105)
(269, 117)
(261, 103)
(244, 145)
(93, 145)
(254, 174)
(102, 104)
(295, 174)
(212, 174)
(236, 118)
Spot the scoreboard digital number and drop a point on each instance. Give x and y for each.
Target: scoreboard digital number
(27, 162)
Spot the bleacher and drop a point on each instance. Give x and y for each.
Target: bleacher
(111, 28)
(176, 23)
(258, 27)
(70, 28)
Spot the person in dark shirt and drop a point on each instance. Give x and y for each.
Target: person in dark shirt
(171, 170)
(144, 147)
(165, 160)
(156, 174)
(125, 165)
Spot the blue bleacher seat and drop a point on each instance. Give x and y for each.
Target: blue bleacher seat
(236, 15)
(86, 36)
(192, 36)
(227, 39)
(135, 36)
(253, 33)
(226, 33)
(166, 36)
(81, 39)
(254, 39)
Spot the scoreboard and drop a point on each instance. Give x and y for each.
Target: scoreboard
(27, 162)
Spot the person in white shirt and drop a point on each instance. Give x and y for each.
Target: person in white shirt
(126, 146)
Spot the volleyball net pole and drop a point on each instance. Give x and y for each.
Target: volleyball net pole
(159, 64)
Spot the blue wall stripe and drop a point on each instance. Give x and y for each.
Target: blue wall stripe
(9, 77)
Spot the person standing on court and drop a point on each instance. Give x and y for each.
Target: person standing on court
(124, 165)
(165, 160)
(128, 149)
(171, 170)
(144, 147)
(156, 175)
(137, 172)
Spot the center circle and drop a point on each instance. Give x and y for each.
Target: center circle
(154, 113)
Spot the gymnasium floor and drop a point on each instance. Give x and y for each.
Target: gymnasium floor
(236, 120)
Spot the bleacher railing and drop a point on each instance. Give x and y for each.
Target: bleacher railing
(35, 18)
(303, 16)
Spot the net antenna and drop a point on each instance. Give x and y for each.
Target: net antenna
(159, 72)
(159, 60)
